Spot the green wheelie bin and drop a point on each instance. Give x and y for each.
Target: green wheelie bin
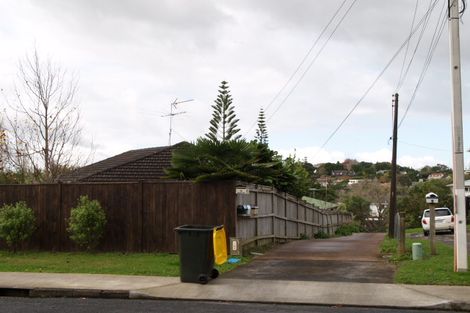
(196, 253)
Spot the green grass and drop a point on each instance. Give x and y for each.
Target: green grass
(432, 270)
(417, 230)
(160, 264)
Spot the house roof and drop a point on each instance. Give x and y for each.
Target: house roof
(324, 205)
(133, 165)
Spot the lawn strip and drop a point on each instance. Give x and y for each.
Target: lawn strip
(432, 270)
(151, 264)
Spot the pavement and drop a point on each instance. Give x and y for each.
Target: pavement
(237, 290)
(307, 272)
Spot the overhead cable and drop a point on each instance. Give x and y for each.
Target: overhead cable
(304, 59)
(423, 19)
(432, 47)
(312, 62)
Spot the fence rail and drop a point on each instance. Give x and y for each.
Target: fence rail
(282, 217)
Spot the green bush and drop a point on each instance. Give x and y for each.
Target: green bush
(17, 224)
(347, 229)
(87, 223)
(321, 235)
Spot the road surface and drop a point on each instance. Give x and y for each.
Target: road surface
(80, 305)
(353, 258)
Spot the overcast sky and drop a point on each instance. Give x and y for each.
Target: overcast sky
(134, 57)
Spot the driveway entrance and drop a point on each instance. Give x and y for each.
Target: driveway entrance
(354, 258)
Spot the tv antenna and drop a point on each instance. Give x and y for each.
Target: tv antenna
(172, 114)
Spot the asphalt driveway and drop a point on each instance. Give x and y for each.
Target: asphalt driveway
(354, 258)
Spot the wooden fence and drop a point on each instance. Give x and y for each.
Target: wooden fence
(282, 217)
(141, 216)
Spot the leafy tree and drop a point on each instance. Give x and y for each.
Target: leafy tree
(359, 207)
(261, 132)
(17, 223)
(375, 193)
(222, 155)
(412, 201)
(294, 178)
(223, 126)
(327, 168)
(208, 160)
(87, 223)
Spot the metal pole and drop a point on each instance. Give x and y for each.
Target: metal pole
(460, 228)
(432, 228)
(393, 182)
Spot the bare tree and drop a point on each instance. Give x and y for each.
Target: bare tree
(43, 133)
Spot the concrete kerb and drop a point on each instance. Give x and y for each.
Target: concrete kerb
(236, 290)
(307, 293)
(64, 293)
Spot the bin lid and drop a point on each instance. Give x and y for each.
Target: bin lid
(195, 228)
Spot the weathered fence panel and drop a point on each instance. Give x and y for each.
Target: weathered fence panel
(282, 217)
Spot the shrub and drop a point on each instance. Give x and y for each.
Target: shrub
(321, 235)
(87, 223)
(347, 229)
(17, 224)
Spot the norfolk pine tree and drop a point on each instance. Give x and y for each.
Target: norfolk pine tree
(262, 132)
(223, 126)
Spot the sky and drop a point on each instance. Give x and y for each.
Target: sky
(133, 58)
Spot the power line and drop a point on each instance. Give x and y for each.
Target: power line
(378, 77)
(432, 48)
(312, 62)
(302, 61)
(415, 50)
(423, 147)
(407, 46)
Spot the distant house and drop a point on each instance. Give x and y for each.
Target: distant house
(134, 165)
(436, 176)
(340, 173)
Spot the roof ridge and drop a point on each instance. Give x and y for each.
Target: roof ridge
(98, 170)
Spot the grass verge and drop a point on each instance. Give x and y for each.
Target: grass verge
(432, 270)
(152, 264)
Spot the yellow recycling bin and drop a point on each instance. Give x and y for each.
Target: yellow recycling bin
(220, 245)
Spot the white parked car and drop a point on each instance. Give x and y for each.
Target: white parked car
(444, 221)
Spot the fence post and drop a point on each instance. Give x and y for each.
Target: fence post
(273, 220)
(142, 217)
(60, 222)
(402, 235)
(257, 219)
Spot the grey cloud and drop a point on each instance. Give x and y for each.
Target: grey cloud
(186, 22)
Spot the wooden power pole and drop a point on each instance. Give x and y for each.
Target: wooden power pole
(393, 183)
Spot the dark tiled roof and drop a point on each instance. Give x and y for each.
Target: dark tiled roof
(133, 165)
